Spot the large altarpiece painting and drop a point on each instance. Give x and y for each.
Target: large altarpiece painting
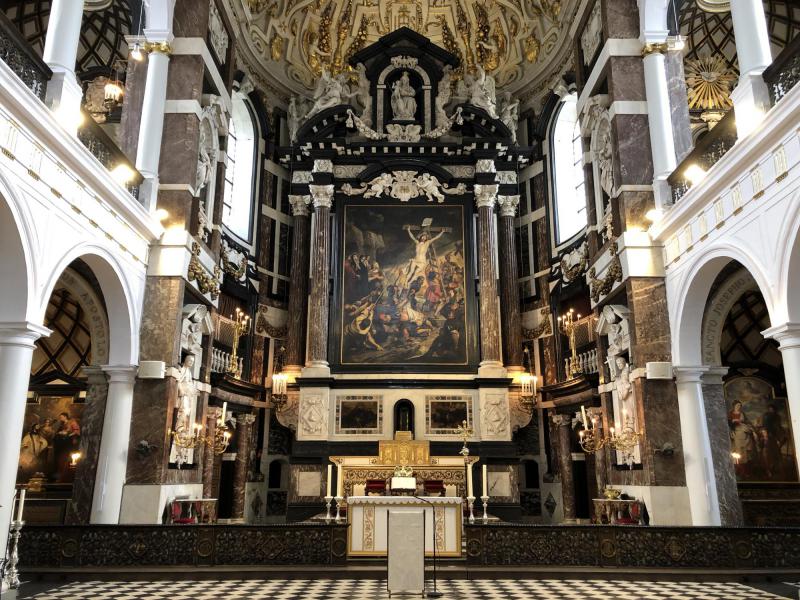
(403, 300)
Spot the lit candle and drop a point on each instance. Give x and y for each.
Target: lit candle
(484, 481)
(339, 481)
(469, 480)
(534, 385)
(21, 504)
(330, 477)
(224, 408)
(583, 414)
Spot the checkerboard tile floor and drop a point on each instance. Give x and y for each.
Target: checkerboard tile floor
(329, 589)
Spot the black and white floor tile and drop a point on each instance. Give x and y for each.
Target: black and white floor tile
(344, 589)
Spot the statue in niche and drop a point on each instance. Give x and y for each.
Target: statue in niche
(602, 144)
(613, 323)
(404, 103)
(204, 159)
(509, 114)
(185, 408)
(363, 95)
(443, 96)
(482, 92)
(330, 92)
(196, 323)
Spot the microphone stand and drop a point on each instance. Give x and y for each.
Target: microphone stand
(434, 593)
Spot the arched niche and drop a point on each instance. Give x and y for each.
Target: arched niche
(404, 416)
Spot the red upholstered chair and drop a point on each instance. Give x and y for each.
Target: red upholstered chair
(433, 487)
(375, 486)
(176, 510)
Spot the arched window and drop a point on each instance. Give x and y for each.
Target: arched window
(567, 155)
(237, 213)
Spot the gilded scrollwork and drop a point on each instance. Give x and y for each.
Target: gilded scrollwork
(601, 287)
(206, 283)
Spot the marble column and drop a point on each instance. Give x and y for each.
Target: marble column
(80, 505)
(151, 127)
(751, 96)
(298, 290)
(659, 118)
(113, 455)
(564, 434)
(209, 456)
(788, 336)
(17, 342)
(509, 290)
(491, 359)
(600, 457)
(730, 507)
(317, 361)
(244, 426)
(697, 456)
(64, 92)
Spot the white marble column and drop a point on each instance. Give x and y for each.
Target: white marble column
(151, 127)
(659, 117)
(751, 97)
(16, 351)
(788, 336)
(697, 456)
(64, 93)
(113, 458)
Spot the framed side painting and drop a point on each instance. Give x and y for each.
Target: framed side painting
(761, 432)
(404, 300)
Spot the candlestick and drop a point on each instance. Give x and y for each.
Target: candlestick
(330, 476)
(471, 504)
(485, 499)
(328, 500)
(339, 503)
(484, 481)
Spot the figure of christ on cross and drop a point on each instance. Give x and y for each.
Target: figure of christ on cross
(423, 245)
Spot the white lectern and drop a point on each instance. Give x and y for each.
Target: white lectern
(406, 552)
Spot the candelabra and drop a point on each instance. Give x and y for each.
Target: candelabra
(567, 326)
(222, 436)
(623, 439)
(466, 432)
(279, 380)
(241, 326)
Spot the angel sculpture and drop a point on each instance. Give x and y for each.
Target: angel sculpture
(509, 114)
(429, 185)
(295, 116)
(482, 92)
(329, 93)
(443, 96)
(363, 95)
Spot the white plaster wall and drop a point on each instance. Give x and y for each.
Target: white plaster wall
(144, 504)
(666, 505)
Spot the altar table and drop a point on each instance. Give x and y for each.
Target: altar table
(368, 519)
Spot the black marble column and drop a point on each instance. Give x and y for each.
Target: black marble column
(320, 273)
(564, 442)
(485, 198)
(209, 456)
(80, 506)
(730, 507)
(298, 291)
(509, 290)
(244, 426)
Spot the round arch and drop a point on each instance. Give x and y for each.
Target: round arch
(123, 321)
(692, 296)
(16, 270)
(788, 274)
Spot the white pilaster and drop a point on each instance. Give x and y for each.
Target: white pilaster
(788, 336)
(64, 93)
(16, 351)
(113, 458)
(151, 127)
(751, 96)
(659, 118)
(696, 447)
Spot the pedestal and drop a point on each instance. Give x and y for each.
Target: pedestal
(244, 424)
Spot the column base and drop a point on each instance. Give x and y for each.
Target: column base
(750, 102)
(317, 368)
(491, 369)
(64, 95)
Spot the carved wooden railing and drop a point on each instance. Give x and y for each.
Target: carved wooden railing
(22, 59)
(67, 547)
(784, 72)
(107, 152)
(708, 151)
(734, 549)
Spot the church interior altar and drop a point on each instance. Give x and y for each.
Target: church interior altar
(368, 517)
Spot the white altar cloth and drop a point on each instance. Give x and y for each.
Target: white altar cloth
(368, 519)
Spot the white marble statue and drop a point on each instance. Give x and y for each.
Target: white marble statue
(509, 114)
(330, 92)
(196, 322)
(430, 186)
(185, 405)
(443, 96)
(363, 95)
(404, 103)
(613, 323)
(482, 92)
(295, 116)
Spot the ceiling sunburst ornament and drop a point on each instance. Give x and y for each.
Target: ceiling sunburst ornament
(511, 39)
(714, 6)
(708, 82)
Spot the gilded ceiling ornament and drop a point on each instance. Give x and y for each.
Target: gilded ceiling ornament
(709, 81)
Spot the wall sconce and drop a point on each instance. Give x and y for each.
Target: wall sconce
(74, 458)
(279, 382)
(527, 392)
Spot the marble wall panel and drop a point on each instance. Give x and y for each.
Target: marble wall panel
(679, 107)
(178, 163)
(633, 164)
(650, 333)
(149, 424)
(132, 108)
(191, 19)
(621, 18)
(185, 80)
(626, 78)
(632, 209)
(159, 335)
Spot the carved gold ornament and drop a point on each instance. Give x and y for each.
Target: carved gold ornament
(708, 82)
(601, 287)
(205, 282)
(502, 36)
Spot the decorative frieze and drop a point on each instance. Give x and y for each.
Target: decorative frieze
(218, 35)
